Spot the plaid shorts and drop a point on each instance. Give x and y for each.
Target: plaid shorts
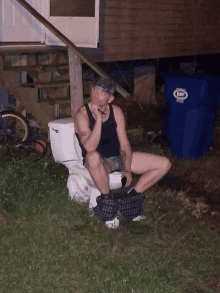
(131, 207)
(107, 209)
(116, 163)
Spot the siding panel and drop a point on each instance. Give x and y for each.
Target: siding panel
(166, 28)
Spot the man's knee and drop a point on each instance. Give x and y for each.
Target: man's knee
(166, 165)
(93, 159)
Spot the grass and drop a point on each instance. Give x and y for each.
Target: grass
(52, 244)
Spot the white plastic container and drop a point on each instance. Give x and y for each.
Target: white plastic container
(64, 144)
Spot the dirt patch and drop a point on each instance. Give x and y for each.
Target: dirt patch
(198, 179)
(203, 180)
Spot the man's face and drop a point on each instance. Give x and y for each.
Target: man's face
(99, 97)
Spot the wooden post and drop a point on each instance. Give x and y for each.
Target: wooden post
(2, 64)
(76, 87)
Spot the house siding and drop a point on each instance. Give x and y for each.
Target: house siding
(166, 28)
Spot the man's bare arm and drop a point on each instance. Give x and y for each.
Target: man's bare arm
(89, 139)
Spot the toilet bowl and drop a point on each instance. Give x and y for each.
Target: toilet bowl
(67, 151)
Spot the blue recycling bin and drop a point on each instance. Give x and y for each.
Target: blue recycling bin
(192, 102)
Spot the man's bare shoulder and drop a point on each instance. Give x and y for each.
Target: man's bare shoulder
(81, 111)
(117, 110)
(118, 113)
(79, 117)
(80, 114)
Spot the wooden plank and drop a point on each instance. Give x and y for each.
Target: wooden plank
(120, 10)
(188, 3)
(150, 10)
(160, 17)
(76, 86)
(164, 46)
(147, 34)
(36, 67)
(140, 5)
(160, 52)
(60, 100)
(138, 27)
(145, 17)
(47, 84)
(159, 38)
(154, 42)
(68, 43)
(157, 46)
(162, 3)
(146, 20)
(159, 32)
(20, 49)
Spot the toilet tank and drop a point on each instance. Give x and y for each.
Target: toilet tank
(64, 144)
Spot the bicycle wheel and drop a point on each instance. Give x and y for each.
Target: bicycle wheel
(14, 127)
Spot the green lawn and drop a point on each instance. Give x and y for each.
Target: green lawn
(51, 244)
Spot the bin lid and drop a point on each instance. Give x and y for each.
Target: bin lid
(192, 90)
(194, 76)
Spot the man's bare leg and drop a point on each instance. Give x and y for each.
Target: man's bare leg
(99, 171)
(151, 168)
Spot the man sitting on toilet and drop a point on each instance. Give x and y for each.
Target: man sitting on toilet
(101, 130)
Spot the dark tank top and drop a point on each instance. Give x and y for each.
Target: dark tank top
(109, 144)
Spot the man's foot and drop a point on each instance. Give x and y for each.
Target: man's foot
(114, 224)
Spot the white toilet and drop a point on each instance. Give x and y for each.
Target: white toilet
(66, 150)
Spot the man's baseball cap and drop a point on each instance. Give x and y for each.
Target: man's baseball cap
(107, 85)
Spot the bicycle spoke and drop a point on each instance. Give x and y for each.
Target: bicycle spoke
(14, 128)
(15, 131)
